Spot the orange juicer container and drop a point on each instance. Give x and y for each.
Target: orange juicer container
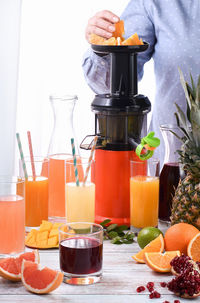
(120, 123)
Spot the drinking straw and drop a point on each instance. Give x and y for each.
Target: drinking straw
(90, 160)
(31, 154)
(74, 159)
(22, 155)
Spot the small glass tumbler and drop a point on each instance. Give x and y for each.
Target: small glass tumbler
(80, 194)
(144, 194)
(81, 252)
(12, 215)
(36, 191)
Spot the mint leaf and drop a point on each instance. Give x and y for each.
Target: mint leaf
(105, 222)
(111, 227)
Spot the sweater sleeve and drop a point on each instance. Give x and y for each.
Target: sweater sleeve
(96, 69)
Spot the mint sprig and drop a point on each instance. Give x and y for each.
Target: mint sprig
(116, 233)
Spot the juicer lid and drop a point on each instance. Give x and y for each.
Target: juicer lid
(138, 104)
(107, 49)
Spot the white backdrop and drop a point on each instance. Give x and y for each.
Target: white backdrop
(51, 51)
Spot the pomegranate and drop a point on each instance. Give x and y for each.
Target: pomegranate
(186, 284)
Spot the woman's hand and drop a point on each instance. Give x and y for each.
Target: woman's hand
(101, 24)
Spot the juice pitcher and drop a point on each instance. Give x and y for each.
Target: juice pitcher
(59, 151)
(170, 173)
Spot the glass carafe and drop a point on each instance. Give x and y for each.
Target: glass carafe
(59, 150)
(170, 173)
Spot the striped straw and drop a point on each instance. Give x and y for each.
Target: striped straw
(90, 160)
(74, 158)
(31, 154)
(22, 156)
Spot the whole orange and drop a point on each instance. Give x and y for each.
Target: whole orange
(178, 236)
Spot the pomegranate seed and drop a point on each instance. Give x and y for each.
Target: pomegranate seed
(150, 286)
(176, 301)
(140, 289)
(154, 295)
(163, 284)
(166, 302)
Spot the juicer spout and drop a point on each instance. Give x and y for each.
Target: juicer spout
(133, 143)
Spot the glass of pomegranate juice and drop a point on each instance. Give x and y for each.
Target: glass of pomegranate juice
(81, 252)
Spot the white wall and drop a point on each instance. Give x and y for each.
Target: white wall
(52, 47)
(9, 51)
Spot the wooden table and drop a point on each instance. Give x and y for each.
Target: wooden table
(121, 277)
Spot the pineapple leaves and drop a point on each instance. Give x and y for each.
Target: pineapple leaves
(195, 123)
(183, 83)
(181, 122)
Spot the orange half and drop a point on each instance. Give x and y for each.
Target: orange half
(193, 249)
(160, 262)
(157, 245)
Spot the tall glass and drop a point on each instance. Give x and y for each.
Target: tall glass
(12, 215)
(81, 252)
(144, 194)
(36, 189)
(170, 173)
(59, 151)
(80, 198)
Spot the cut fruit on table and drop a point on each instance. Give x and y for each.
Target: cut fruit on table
(38, 279)
(157, 245)
(193, 249)
(117, 37)
(160, 262)
(10, 268)
(45, 237)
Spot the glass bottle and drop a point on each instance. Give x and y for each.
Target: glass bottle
(59, 150)
(170, 173)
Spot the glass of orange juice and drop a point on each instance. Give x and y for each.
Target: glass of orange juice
(12, 215)
(144, 193)
(36, 192)
(80, 198)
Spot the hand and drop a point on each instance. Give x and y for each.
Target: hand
(101, 24)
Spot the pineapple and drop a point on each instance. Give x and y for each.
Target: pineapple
(186, 200)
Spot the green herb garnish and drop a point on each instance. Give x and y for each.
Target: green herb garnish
(116, 233)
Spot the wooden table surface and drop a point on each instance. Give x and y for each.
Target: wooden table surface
(121, 277)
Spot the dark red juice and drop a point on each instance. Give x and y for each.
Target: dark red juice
(169, 179)
(81, 255)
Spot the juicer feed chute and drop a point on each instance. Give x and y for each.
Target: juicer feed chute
(120, 122)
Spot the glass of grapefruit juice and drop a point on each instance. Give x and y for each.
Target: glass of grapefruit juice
(59, 172)
(144, 194)
(36, 192)
(80, 199)
(12, 215)
(81, 252)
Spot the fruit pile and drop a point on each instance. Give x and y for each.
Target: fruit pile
(117, 37)
(181, 257)
(45, 237)
(26, 268)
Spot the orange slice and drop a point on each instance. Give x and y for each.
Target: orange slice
(95, 39)
(133, 40)
(160, 262)
(10, 268)
(38, 279)
(157, 245)
(111, 41)
(119, 29)
(193, 249)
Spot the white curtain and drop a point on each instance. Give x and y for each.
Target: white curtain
(10, 11)
(52, 45)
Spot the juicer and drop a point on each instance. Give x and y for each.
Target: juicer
(120, 123)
